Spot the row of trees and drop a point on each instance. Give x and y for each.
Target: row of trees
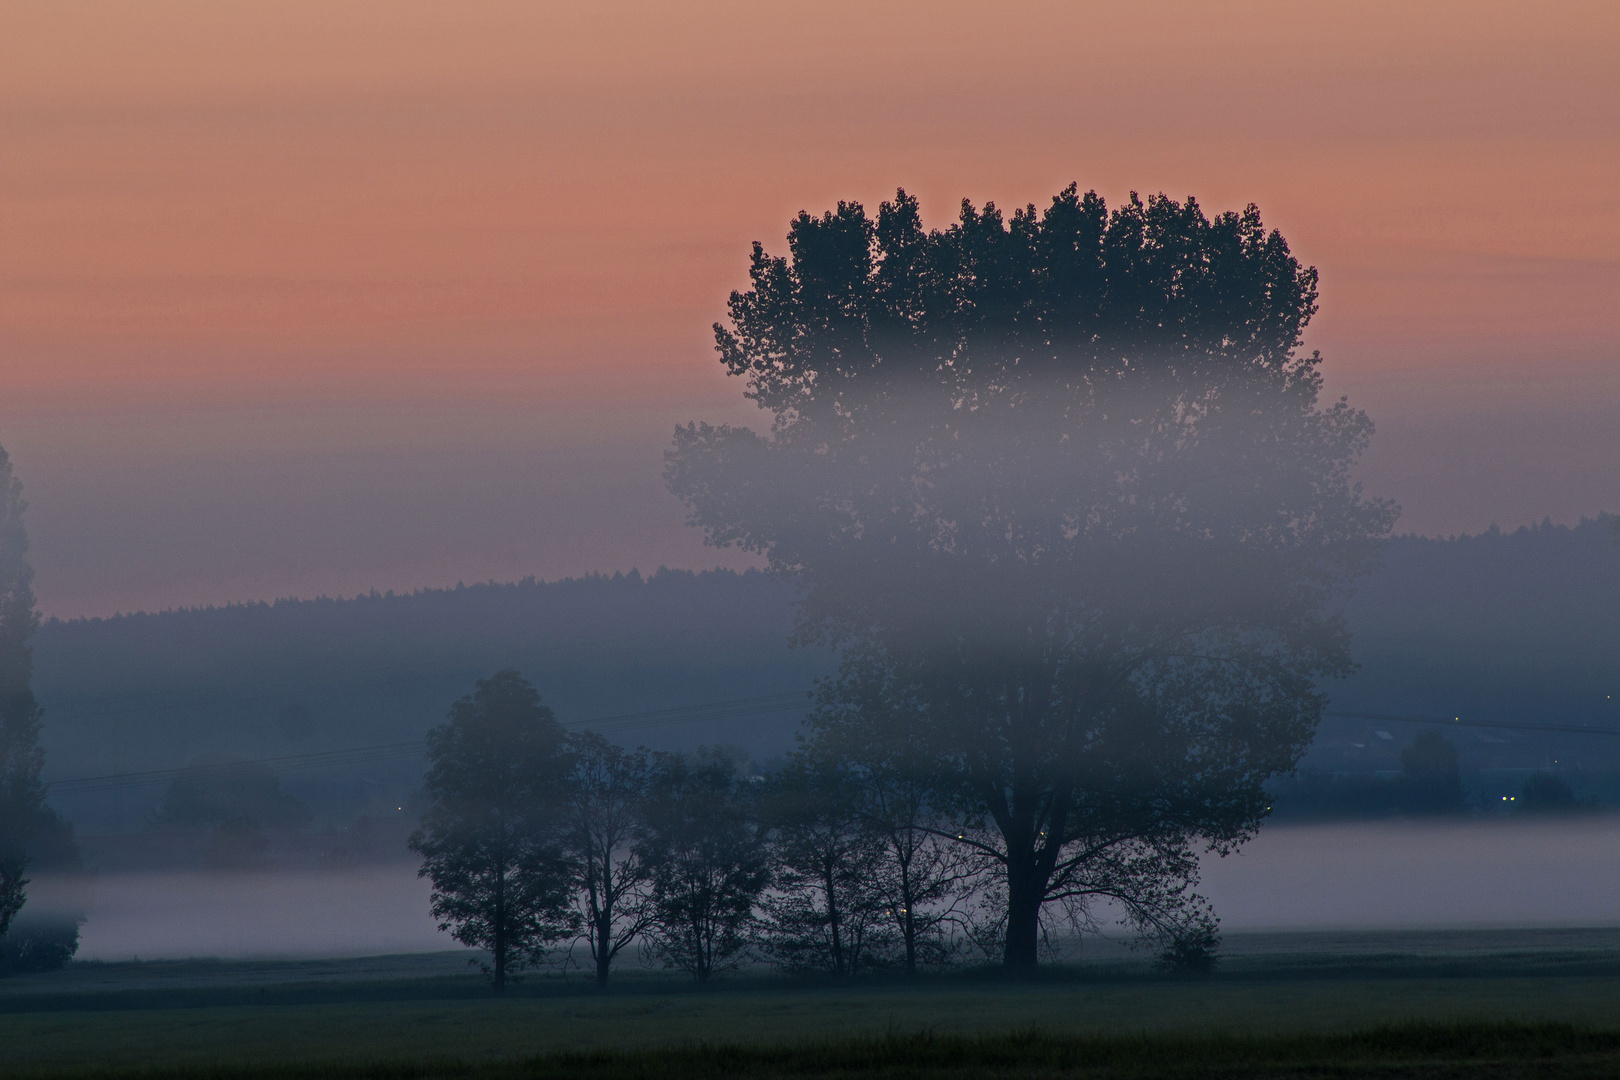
(536, 839)
(1429, 784)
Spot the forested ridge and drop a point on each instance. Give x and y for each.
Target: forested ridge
(1519, 626)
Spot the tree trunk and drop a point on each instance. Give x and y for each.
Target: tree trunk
(1023, 914)
(829, 879)
(604, 947)
(500, 931)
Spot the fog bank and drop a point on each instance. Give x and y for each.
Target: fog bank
(1326, 877)
(1421, 875)
(369, 911)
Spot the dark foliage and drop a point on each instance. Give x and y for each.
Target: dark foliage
(1321, 796)
(239, 803)
(1515, 626)
(1193, 951)
(242, 792)
(1431, 782)
(154, 691)
(922, 873)
(33, 945)
(21, 793)
(1544, 793)
(828, 910)
(493, 838)
(1062, 479)
(607, 794)
(707, 861)
(44, 940)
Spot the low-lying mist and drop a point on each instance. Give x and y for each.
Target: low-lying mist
(1408, 874)
(1386, 875)
(365, 911)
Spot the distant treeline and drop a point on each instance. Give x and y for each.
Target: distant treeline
(707, 653)
(1520, 627)
(1511, 628)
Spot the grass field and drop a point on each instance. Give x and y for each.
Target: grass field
(1341, 1005)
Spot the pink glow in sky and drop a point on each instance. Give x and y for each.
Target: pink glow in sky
(315, 297)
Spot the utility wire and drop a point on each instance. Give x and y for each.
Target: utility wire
(1457, 721)
(765, 705)
(80, 707)
(685, 714)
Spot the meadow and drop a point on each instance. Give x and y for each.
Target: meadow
(1484, 1003)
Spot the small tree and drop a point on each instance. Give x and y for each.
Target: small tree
(44, 938)
(1544, 793)
(1431, 782)
(492, 839)
(22, 796)
(608, 787)
(828, 910)
(706, 859)
(924, 874)
(237, 801)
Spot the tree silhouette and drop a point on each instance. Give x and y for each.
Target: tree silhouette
(22, 796)
(923, 873)
(492, 839)
(606, 795)
(1065, 479)
(706, 859)
(1431, 781)
(1544, 793)
(44, 940)
(827, 911)
(237, 801)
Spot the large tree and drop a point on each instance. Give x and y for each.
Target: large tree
(1065, 480)
(22, 796)
(493, 838)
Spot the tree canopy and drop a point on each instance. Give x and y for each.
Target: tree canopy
(492, 840)
(1062, 483)
(22, 796)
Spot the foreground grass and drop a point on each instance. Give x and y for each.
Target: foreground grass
(1543, 1012)
(1501, 1050)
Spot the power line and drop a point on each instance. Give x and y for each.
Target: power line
(342, 687)
(1457, 721)
(764, 705)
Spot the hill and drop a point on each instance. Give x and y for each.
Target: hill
(1520, 627)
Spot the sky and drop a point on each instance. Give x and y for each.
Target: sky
(313, 298)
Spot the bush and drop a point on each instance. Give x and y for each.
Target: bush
(1544, 793)
(1193, 951)
(35, 945)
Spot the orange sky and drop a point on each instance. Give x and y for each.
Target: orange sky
(229, 228)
